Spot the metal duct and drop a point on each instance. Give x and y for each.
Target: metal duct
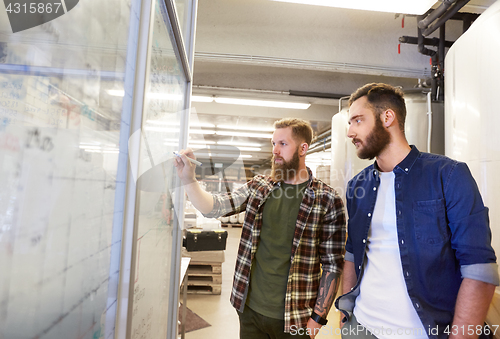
(446, 16)
(424, 23)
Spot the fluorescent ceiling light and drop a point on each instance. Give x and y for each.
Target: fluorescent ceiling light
(222, 155)
(161, 129)
(250, 149)
(201, 131)
(169, 123)
(165, 96)
(162, 96)
(103, 151)
(201, 143)
(90, 147)
(161, 122)
(243, 128)
(232, 148)
(90, 143)
(231, 143)
(201, 124)
(262, 103)
(392, 6)
(116, 92)
(245, 134)
(176, 130)
(106, 147)
(201, 98)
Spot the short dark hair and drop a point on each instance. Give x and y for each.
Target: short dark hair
(301, 129)
(381, 97)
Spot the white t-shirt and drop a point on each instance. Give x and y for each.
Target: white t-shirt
(383, 305)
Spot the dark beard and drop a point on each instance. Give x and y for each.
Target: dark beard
(375, 142)
(286, 171)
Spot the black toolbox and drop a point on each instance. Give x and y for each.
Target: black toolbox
(197, 240)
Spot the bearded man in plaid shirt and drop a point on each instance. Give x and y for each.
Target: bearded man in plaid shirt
(292, 245)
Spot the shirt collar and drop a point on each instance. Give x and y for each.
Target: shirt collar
(406, 165)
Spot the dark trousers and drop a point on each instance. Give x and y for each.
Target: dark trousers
(254, 325)
(353, 329)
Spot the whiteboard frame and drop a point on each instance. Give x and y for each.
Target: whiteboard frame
(125, 288)
(188, 60)
(179, 41)
(123, 327)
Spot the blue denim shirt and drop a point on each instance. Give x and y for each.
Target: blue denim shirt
(443, 233)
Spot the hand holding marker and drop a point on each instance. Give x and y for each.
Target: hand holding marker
(196, 162)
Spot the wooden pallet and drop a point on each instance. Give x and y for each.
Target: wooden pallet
(231, 225)
(197, 268)
(206, 289)
(202, 279)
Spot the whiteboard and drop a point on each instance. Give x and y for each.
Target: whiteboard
(68, 101)
(63, 167)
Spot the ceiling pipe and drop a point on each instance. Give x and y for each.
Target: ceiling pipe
(340, 102)
(434, 58)
(238, 90)
(424, 23)
(441, 47)
(315, 94)
(319, 147)
(453, 10)
(427, 41)
(421, 46)
(321, 136)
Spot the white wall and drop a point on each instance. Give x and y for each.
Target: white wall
(472, 116)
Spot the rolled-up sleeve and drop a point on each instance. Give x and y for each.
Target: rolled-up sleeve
(487, 273)
(349, 256)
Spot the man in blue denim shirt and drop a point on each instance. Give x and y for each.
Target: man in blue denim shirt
(419, 261)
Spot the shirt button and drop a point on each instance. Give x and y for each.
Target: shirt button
(369, 214)
(417, 305)
(374, 188)
(398, 185)
(407, 273)
(364, 241)
(406, 169)
(359, 266)
(399, 212)
(402, 242)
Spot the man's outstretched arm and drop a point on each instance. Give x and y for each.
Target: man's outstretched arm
(201, 200)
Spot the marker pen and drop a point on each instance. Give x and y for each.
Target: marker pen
(196, 162)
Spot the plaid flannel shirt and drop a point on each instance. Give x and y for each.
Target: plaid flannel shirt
(319, 238)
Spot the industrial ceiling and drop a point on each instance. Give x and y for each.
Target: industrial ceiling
(264, 49)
